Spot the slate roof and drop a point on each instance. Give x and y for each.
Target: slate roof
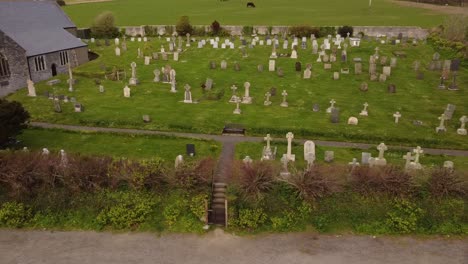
(37, 26)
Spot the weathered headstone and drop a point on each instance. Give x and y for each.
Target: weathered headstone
(391, 88)
(335, 115)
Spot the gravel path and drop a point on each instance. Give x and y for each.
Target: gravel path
(37, 247)
(238, 139)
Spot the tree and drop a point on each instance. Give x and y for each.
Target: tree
(456, 28)
(104, 26)
(183, 26)
(12, 119)
(215, 27)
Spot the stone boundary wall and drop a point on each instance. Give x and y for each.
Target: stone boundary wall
(373, 31)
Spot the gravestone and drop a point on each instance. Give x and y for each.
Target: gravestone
(364, 87)
(223, 65)
(208, 84)
(78, 108)
(336, 76)
(449, 110)
(157, 74)
(357, 68)
(212, 65)
(146, 118)
(57, 106)
(155, 56)
(335, 115)
(260, 68)
(365, 156)
(391, 88)
(455, 65)
(280, 72)
(329, 155)
(316, 108)
(327, 66)
(393, 62)
(273, 91)
(298, 66)
(236, 66)
(382, 78)
(353, 121)
(190, 150)
(271, 65)
(387, 70)
(307, 73)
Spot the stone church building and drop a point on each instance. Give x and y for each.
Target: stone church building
(37, 41)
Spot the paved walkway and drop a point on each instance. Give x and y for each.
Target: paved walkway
(45, 247)
(237, 139)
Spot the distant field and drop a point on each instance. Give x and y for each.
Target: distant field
(267, 12)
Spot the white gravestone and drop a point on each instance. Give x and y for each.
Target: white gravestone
(133, 80)
(309, 152)
(332, 105)
(187, 95)
(31, 88)
(289, 156)
(284, 103)
(247, 99)
(380, 160)
(462, 129)
(364, 111)
(126, 91)
(117, 51)
(397, 116)
(271, 65)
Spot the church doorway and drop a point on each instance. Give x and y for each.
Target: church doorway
(54, 69)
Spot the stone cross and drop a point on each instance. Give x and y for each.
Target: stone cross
(233, 88)
(237, 111)
(267, 100)
(397, 116)
(63, 158)
(247, 99)
(365, 104)
(188, 40)
(284, 94)
(354, 163)
(381, 148)
(267, 138)
(133, 65)
(247, 160)
(441, 126)
(188, 94)
(70, 78)
(417, 151)
(408, 159)
(463, 121)
(332, 103)
(289, 137)
(284, 162)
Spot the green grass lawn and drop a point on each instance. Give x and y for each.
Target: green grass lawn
(267, 12)
(116, 145)
(344, 155)
(415, 99)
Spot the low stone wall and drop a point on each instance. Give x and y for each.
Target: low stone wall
(374, 31)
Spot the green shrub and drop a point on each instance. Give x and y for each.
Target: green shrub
(215, 28)
(13, 214)
(126, 209)
(344, 30)
(197, 206)
(404, 217)
(172, 211)
(104, 26)
(61, 3)
(198, 31)
(247, 30)
(304, 31)
(325, 31)
(251, 218)
(183, 26)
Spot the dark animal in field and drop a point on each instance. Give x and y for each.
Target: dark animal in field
(250, 4)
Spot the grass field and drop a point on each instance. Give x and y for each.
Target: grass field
(415, 99)
(116, 145)
(267, 12)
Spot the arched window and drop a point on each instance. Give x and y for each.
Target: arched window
(4, 68)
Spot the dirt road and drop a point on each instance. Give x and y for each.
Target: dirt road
(21, 247)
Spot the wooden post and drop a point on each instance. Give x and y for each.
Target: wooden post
(226, 212)
(206, 211)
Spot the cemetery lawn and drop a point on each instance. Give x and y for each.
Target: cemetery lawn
(267, 12)
(116, 145)
(344, 155)
(414, 99)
